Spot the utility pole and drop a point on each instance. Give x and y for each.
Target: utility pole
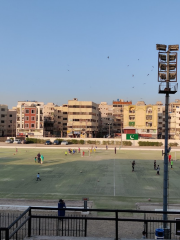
(109, 128)
(121, 133)
(167, 75)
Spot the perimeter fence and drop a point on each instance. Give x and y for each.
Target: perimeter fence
(44, 221)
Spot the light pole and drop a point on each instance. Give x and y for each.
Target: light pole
(167, 74)
(121, 133)
(109, 128)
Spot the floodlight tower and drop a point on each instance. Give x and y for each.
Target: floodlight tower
(167, 75)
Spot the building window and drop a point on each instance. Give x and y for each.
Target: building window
(59, 117)
(149, 117)
(64, 124)
(32, 125)
(2, 115)
(9, 126)
(27, 110)
(32, 118)
(32, 111)
(10, 121)
(59, 122)
(26, 118)
(26, 125)
(3, 109)
(64, 118)
(10, 115)
(64, 112)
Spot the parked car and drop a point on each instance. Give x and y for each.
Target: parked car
(64, 143)
(23, 142)
(48, 142)
(17, 141)
(9, 141)
(56, 142)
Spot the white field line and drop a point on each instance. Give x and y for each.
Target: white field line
(114, 180)
(73, 147)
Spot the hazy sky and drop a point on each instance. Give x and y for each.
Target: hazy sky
(53, 51)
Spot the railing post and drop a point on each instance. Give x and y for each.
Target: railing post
(7, 234)
(116, 225)
(29, 223)
(85, 233)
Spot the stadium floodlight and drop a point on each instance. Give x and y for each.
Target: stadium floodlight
(173, 47)
(161, 47)
(172, 75)
(172, 67)
(162, 76)
(162, 57)
(167, 73)
(162, 66)
(172, 57)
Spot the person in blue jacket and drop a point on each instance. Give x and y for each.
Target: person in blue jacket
(61, 204)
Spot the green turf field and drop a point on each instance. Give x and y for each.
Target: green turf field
(104, 177)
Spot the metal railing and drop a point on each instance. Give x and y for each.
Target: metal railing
(44, 221)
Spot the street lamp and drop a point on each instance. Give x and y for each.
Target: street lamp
(109, 128)
(167, 75)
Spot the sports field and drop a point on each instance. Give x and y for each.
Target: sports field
(105, 177)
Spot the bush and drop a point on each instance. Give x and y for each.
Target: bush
(173, 144)
(91, 142)
(127, 143)
(74, 141)
(35, 140)
(60, 140)
(81, 141)
(141, 143)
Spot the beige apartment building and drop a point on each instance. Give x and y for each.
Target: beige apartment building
(11, 122)
(118, 115)
(142, 118)
(48, 113)
(106, 119)
(29, 118)
(83, 118)
(3, 119)
(7, 121)
(60, 120)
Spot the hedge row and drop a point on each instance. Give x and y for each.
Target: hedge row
(150, 143)
(173, 144)
(35, 140)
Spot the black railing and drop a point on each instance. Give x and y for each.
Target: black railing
(44, 221)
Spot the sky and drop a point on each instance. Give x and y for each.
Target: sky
(54, 51)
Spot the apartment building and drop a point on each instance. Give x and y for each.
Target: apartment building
(142, 118)
(48, 113)
(11, 122)
(83, 118)
(29, 118)
(106, 119)
(3, 119)
(118, 114)
(60, 120)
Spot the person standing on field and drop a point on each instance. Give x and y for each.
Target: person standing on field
(171, 163)
(154, 164)
(158, 170)
(169, 158)
(42, 159)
